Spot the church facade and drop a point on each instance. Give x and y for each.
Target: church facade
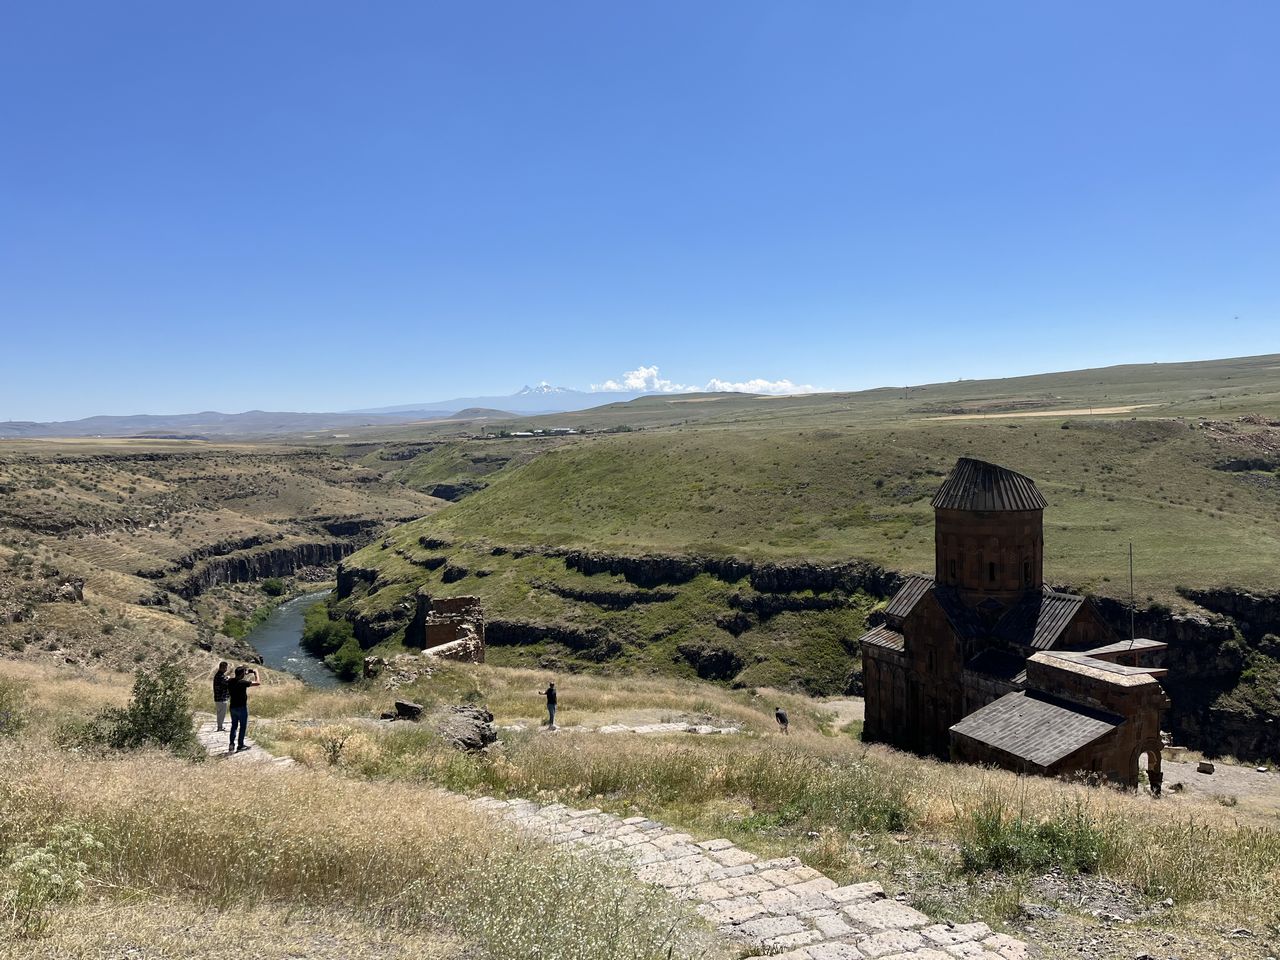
(982, 662)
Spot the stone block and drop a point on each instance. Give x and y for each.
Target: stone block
(781, 863)
(834, 951)
(711, 891)
(779, 877)
(1006, 947)
(748, 884)
(884, 915)
(724, 873)
(889, 943)
(780, 901)
(766, 928)
(669, 840)
(800, 939)
(832, 925)
(733, 857)
(946, 934)
(818, 884)
(731, 912)
(856, 891)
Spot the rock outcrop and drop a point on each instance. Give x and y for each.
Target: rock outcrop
(465, 727)
(259, 564)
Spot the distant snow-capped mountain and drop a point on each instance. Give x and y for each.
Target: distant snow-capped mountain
(541, 390)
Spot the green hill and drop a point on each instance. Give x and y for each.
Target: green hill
(827, 485)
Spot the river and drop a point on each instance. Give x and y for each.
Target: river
(279, 640)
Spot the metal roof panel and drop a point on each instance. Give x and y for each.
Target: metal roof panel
(981, 486)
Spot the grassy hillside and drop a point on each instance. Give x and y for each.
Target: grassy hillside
(827, 480)
(832, 493)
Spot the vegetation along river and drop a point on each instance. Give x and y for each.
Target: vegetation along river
(279, 640)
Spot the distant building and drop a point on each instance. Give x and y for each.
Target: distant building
(984, 663)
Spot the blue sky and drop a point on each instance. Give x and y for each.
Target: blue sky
(320, 206)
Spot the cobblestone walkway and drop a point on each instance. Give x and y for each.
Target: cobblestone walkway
(779, 908)
(215, 743)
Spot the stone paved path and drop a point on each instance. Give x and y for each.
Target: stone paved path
(215, 743)
(776, 907)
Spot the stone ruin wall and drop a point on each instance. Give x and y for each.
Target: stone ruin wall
(449, 628)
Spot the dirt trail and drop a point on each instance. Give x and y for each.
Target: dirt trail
(1075, 412)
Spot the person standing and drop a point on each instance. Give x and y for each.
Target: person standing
(550, 694)
(220, 694)
(239, 697)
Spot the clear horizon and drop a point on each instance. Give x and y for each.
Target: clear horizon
(313, 208)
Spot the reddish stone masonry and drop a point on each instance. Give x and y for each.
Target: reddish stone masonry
(985, 664)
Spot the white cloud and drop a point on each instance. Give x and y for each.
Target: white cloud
(648, 380)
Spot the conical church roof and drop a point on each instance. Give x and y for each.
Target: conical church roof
(978, 485)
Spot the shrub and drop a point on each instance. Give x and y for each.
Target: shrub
(158, 714)
(273, 586)
(235, 627)
(994, 837)
(322, 636)
(12, 717)
(41, 877)
(347, 661)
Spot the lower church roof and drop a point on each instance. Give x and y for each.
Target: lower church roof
(1036, 727)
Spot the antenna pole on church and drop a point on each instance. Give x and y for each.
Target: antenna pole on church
(1131, 599)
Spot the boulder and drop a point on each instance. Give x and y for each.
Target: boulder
(1205, 766)
(465, 727)
(408, 710)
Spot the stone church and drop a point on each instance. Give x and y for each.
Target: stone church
(984, 663)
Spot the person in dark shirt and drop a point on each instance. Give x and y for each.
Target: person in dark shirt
(550, 694)
(238, 687)
(220, 694)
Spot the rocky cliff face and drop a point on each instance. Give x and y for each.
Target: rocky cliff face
(656, 570)
(1206, 658)
(259, 564)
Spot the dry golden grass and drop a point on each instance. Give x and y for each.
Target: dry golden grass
(180, 930)
(407, 858)
(53, 694)
(514, 695)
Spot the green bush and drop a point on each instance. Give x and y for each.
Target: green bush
(12, 716)
(234, 626)
(273, 586)
(322, 636)
(995, 837)
(347, 661)
(158, 714)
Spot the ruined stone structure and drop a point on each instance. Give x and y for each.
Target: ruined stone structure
(986, 664)
(450, 628)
